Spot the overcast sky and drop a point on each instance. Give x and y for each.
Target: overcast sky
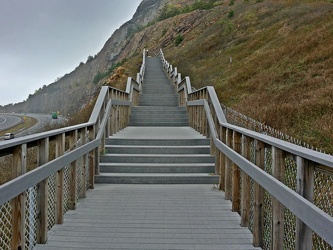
(41, 40)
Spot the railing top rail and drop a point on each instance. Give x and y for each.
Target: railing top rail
(99, 103)
(306, 153)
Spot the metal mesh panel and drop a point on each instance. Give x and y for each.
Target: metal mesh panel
(323, 199)
(51, 203)
(6, 226)
(31, 218)
(251, 205)
(290, 219)
(252, 159)
(66, 188)
(79, 169)
(267, 237)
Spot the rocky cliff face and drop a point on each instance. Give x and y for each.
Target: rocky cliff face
(75, 89)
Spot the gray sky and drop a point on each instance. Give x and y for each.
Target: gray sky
(41, 40)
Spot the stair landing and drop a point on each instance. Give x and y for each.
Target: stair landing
(186, 217)
(158, 133)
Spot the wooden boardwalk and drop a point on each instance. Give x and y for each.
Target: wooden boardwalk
(151, 217)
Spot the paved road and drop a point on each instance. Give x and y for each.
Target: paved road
(10, 120)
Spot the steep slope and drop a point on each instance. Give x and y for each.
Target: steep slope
(281, 71)
(270, 60)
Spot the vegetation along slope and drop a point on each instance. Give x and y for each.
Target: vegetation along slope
(270, 60)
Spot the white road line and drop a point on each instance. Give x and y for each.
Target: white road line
(4, 120)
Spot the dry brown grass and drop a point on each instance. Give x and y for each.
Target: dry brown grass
(281, 73)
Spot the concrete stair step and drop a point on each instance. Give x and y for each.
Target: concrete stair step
(157, 142)
(157, 168)
(139, 149)
(122, 178)
(157, 158)
(167, 114)
(159, 108)
(156, 124)
(159, 118)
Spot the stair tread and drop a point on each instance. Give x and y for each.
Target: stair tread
(159, 174)
(157, 164)
(149, 146)
(159, 155)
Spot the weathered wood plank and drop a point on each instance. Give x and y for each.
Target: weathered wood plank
(142, 217)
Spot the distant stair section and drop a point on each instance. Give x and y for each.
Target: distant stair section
(158, 103)
(158, 147)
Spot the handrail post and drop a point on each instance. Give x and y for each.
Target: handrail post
(228, 167)
(18, 203)
(278, 166)
(305, 187)
(43, 157)
(246, 185)
(72, 173)
(236, 174)
(59, 208)
(222, 159)
(258, 214)
(83, 137)
(92, 164)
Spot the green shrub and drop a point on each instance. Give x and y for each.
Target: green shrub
(179, 40)
(231, 13)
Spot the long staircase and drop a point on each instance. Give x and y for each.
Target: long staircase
(158, 147)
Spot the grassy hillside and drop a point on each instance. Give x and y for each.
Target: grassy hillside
(282, 56)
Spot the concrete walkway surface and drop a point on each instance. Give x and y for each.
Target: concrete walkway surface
(158, 133)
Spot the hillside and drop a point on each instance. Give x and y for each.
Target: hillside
(270, 60)
(280, 72)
